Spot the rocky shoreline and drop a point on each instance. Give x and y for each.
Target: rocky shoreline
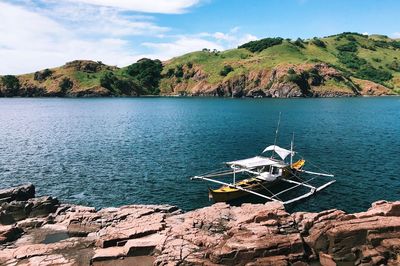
(43, 231)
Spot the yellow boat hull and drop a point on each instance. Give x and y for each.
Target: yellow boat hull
(229, 193)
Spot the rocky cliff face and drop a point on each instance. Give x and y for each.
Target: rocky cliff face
(284, 81)
(41, 231)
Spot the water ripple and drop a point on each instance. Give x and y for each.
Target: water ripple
(109, 152)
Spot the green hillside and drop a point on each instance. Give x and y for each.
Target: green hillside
(375, 58)
(346, 64)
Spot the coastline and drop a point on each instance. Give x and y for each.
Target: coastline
(42, 230)
(194, 96)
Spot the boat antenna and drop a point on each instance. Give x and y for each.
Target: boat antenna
(276, 134)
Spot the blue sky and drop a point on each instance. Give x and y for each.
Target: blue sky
(36, 34)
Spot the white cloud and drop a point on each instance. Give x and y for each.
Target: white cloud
(246, 38)
(87, 19)
(182, 45)
(396, 35)
(148, 6)
(230, 39)
(47, 33)
(366, 33)
(30, 41)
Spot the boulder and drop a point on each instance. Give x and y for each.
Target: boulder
(23, 192)
(9, 233)
(13, 211)
(42, 206)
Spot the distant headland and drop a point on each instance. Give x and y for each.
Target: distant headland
(346, 64)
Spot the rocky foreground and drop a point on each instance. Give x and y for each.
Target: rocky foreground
(42, 231)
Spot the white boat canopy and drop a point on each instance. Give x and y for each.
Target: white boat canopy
(283, 153)
(256, 161)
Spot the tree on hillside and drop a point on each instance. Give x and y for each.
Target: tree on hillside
(119, 85)
(127, 87)
(42, 75)
(10, 86)
(226, 70)
(299, 43)
(371, 73)
(351, 60)
(259, 45)
(148, 74)
(170, 73)
(318, 42)
(65, 85)
(348, 47)
(395, 66)
(179, 71)
(107, 81)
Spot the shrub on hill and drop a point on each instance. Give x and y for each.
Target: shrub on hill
(348, 47)
(351, 60)
(148, 74)
(107, 81)
(387, 44)
(42, 75)
(395, 44)
(381, 43)
(318, 42)
(371, 73)
(299, 42)
(367, 46)
(350, 38)
(315, 77)
(65, 85)
(119, 86)
(170, 73)
(295, 78)
(300, 79)
(10, 85)
(128, 87)
(259, 45)
(395, 65)
(226, 70)
(348, 35)
(179, 71)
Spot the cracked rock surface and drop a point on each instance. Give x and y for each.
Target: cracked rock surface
(42, 231)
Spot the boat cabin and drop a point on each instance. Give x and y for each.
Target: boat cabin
(267, 169)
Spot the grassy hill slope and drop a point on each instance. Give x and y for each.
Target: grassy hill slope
(357, 57)
(346, 64)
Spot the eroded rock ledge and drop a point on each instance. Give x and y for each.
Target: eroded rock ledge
(41, 231)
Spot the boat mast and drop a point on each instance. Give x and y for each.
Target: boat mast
(291, 150)
(276, 134)
(234, 174)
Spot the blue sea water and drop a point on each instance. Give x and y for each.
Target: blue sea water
(110, 152)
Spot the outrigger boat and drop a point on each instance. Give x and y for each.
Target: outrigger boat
(261, 173)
